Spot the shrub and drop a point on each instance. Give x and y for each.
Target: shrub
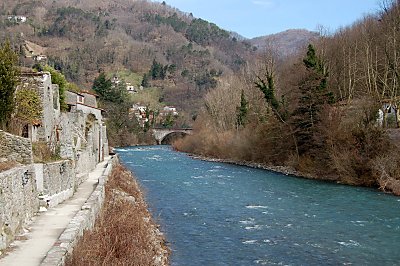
(125, 233)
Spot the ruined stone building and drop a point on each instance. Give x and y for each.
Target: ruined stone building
(46, 128)
(79, 139)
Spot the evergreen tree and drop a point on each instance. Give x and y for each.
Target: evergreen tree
(158, 71)
(169, 121)
(61, 81)
(145, 81)
(109, 92)
(9, 78)
(267, 86)
(313, 96)
(102, 85)
(242, 110)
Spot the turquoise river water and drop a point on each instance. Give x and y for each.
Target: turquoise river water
(222, 214)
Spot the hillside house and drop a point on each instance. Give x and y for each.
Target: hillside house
(389, 113)
(40, 58)
(115, 80)
(17, 19)
(169, 110)
(139, 111)
(130, 88)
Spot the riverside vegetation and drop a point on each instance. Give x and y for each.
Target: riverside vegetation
(316, 113)
(124, 233)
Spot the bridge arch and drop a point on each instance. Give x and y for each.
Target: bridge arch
(171, 137)
(160, 134)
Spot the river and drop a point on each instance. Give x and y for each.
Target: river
(222, 214)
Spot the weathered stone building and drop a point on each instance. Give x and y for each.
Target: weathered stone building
(77, 136)
(85, 103)
(46, 128)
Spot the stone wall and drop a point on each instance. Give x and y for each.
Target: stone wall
(14, 148)
(18, 201)
(83, 220)
(106, 150)
(56, 181)
(82, 140)
(89, 110)
(71, 134)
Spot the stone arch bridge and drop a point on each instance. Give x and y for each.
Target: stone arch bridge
(161, 133)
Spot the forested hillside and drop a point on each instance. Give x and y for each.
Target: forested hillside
(287, 43)
(82, 38)
(330, 112)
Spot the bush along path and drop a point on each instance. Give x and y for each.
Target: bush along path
(124, 233)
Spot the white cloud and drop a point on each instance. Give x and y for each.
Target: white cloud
(263, 3)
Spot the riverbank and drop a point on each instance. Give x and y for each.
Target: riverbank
(217, 213)
(391, 185)
(124, 233)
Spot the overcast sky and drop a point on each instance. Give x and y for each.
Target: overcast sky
(252, 18)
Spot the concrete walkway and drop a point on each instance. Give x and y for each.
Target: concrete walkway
(48, 226)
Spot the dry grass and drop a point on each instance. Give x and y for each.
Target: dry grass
(125, 233)
(43, 154)
(4, 166)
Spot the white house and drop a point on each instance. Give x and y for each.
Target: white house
(388, 115)
(169, 110)
(17, 19)
(140, 113)
(40, 58)
(115, 80)
(130, 88)
(139, 108)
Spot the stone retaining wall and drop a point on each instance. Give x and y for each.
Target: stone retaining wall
(18, 201)
(83, 220)
(56, 181)
(15, 148)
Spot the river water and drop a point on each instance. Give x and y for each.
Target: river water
(221, 214)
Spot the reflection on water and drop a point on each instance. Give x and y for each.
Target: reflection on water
(220, 214)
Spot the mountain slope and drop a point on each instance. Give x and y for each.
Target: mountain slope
(287, 43)
(83, 38)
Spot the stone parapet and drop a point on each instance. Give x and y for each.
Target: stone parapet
(83, 220)
(18, 201)
(56, 181)
(15, 148)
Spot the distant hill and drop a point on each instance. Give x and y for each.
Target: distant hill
(186, 56)
(83, 37)
(287, 42)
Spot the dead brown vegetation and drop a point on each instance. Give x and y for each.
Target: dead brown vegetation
(125, 233)
(4, 166)
(42, 153)
(336, 138)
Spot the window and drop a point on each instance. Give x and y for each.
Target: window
(80, 99)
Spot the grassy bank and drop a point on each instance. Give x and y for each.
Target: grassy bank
(124, 233)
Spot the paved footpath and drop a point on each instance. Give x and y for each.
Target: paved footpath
(48, 226)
